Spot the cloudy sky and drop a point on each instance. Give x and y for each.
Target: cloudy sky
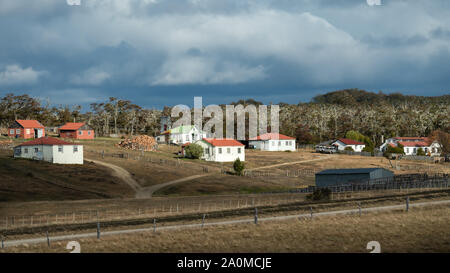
(165, 52)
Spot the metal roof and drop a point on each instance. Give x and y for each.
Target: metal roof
(349, 171)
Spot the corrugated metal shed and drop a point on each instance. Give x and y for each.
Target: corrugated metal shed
(333, 177)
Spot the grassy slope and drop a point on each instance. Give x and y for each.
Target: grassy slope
(27, 180)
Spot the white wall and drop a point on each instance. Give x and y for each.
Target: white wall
(213, 153)
(68, 155)
(187, 137)
(342, 146)
(274, 145)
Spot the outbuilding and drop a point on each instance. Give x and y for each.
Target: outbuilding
(76, 131)
(26, 129)
(343, 143)
(333, 177)
(50, 149)
(273, 142)
(222, 149)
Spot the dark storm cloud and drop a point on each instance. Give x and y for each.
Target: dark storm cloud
(158, 52)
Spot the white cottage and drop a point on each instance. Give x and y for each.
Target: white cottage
(343, 143)
(185, 134)
(50, 149)
(273, 142)
(222, 149)
(411, 145)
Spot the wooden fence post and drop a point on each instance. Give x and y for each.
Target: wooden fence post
(311, 209)
(98, 230)
(154, 225)
(256, 216)
(48, 239)
(203, 220)
(407, 203)
(359, 206)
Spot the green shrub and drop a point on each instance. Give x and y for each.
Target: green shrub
(238, 166)
(193, 151)
(319, 194)
(421, 152)
(349, 149)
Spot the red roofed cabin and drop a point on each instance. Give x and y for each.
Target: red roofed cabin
(343, 143)
(222, 149)
(76, 131)
(273, 142)
(26, 129)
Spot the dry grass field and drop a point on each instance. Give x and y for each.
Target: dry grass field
(27, 180)
(419, 230)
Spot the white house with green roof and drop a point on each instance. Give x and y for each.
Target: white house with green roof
(186, 134)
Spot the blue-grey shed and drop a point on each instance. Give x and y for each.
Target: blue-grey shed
(333, 177)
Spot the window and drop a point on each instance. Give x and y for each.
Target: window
(220, 150)
(75, 149)
(80, 133)
(239, 150)
(60, 149)
(11, 132)
(415, 150)
(89, 132)
(17, 131)
(287, 143)
(407, 150)
(228, 150)
(27, 131)
(207, 151)
(36, 150)
(26, 150)
(279, 143)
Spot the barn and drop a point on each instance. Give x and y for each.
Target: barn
(26, 129)
(76, 131)
(333, 177)
(50, 149)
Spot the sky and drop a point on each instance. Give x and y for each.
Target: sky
(165, 52)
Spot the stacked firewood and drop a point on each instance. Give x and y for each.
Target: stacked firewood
(141, 143)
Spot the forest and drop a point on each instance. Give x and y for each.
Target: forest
(328, 116)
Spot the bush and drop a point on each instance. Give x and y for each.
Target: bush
(421, 152)
(319, 194)
(193, 151)
(238, 166)
(393, 150)
(349, 149)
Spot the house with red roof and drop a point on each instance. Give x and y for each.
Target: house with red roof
(343, 143)
(50, 149)
(222, 149)
(411, 145)
(26, 129)
(76, 131)
(273, 142)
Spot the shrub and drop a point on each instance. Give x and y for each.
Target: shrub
(193, 151)
(349, 149)
(421, 152)
(319, 194)
(238, 166)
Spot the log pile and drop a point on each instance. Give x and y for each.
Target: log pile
(140, 143)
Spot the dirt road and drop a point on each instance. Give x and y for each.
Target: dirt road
(229, 222)
(119, 172)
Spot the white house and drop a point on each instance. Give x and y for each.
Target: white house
(51, 150)
(343, 143)
(273, 142)
(222, 149)
(411, 145)
(185, 134)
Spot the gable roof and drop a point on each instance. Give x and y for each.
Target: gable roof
(411, 138)
(182, 129)
(414, 144)
(72, 126)
(272, 136)
(348, 141)
(29, 123)
(217, 142)
(45, 141)
(350, 171)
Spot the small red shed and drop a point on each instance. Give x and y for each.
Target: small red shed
(26, 129)
(76, 131)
